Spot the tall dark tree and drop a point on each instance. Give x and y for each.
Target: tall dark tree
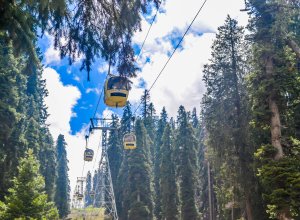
(88, 189)
(186, 159)
(27, 198)
(226, 114)
(115, 151)
(274, 86)
(93, 29)
(62, 193)
(139, 176)
(157, 161)
(168, 185)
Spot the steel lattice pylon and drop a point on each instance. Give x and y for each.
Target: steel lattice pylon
(78, 197)
(105, 186)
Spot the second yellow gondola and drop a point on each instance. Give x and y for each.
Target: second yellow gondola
(116, 90)
(129, 141)
(88, 154)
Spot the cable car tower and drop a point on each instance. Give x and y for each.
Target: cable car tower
(105, 187)
(78, 197)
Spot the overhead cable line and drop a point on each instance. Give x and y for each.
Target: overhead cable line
(176, 47)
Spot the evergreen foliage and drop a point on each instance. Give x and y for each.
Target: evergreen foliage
(91, 28)
(186, 160)
(27, 198)
(139, 177)
(168, 184)
(88, 188)
(274, 87)
(162, 122)
(62, 192)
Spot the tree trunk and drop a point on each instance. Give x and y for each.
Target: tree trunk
(275, 116)
(284, 214)
(294, 46)
(249, 208)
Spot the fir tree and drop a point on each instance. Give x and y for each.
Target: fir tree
(225, 109)
(62, 193)
(168, 186)
(187, 165)
(274, 86)
(88, 188)
(27, 198)
(114, 151)
(139, 176)
(93, 29)
(157, 160)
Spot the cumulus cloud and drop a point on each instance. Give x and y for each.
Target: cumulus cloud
(95, 90)
(60, 103)
(181, 81)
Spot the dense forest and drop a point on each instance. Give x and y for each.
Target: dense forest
(237, 156)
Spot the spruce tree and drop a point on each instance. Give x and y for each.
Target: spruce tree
(88, 188)
(226, 113)
(168, 184)
(186, 159)
(62, 193)
(139, 176)
(27, 198)
(114, 151)
(274, 87)
(157, 160)
(94, 28)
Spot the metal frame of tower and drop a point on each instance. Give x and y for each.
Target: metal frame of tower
(105, 185)
(79, 189)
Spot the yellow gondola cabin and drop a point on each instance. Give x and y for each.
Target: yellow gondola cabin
(129, 141)
(116, 90)
(88, 154)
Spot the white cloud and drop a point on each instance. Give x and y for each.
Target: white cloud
(95, 90)
(77, 78)
(60, 108)
(107, 113)
(51, 55)
(181, 82)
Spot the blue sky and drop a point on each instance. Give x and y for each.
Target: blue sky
(72, 99)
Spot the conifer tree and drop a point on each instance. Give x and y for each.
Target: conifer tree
(139, 176)
(88, 188)
(94, 28)
(186, 159)
(10, 73)
(114, 151)
(168, 185)
(274, 87)
(27, 198)
(226, 113)
(157, 160)
(62, 193)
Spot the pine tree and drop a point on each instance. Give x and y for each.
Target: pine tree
(226, 113)
(62, 193)
(274, 87)
(48, 158)
(157, 160)
(114, 151)
(27, 198)
(88, 188)
(94, 28)
(139, 176)
(168, 186)
(10, 73)
(186, 150)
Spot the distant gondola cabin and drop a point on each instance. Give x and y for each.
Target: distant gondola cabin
(88, 154)
(129, 141)
(116, 90)
(92, 194)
